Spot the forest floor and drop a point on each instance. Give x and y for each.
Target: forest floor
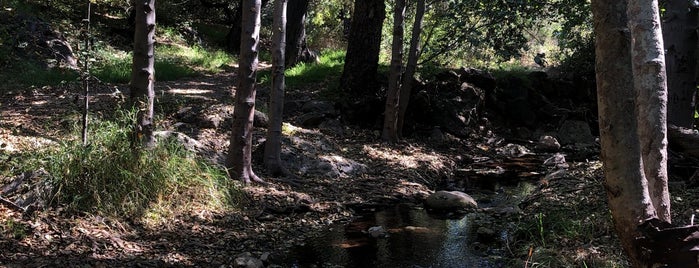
(562, 221)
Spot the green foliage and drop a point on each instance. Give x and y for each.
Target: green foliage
(325, 27)
(109, 177)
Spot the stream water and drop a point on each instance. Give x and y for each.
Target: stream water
(414, 239)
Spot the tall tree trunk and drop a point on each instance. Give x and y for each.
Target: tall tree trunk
(625, 182)
(648, 63)
(233, 36)
(239, 162)
(680, 38)
(390, 133)
(297, 47)
(143, 73)
(363, 47)
(235, 32)
(276, 100)
(411, 66)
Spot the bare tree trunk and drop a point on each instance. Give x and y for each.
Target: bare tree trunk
(648, 63)
(680, 38)
(390, 131)
(411, 66)
(276, 101)
(625, 183)
(239, 162)
(233, 36)
(143, 73)
(363, 47)
(297, 47)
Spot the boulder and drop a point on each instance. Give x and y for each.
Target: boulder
(547, 144)
(318, 106)
(261, 120)
(575, 132)
(311, 119)
(479, 78)
(246, 260)
(450, 200)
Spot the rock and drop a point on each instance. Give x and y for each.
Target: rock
(377, 232)
(246, 260)
(513, 150)
(547, 144)
(311, 120)
(332, 127)
(318, 106)
(575, 132)
(261, 120)
(36, 40)
(516, 100)
(437, 135)
(450, 200)
(292, 107)
(485, 234)
(479, 78)
(556, 161)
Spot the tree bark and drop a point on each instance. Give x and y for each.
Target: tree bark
(276, 103)
(297, 47)
(680, 38)
(239, 162)
(363, 47)
(390, 125)
(625, 182)
(411, 67)
(233, 36)
(143, 73)
(649, 77)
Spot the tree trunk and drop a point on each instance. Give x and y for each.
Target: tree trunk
(390, 133)
(234, 34)
(143, 73)
(297, 47)
(625, 183)
(680, 37)
(239, 162)
(276, 101)
(363, 47)
(411, 66)
(648, 63)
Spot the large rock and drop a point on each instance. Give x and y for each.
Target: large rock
(246, 260)
(37, 40)
(450, 200)
(575, 132)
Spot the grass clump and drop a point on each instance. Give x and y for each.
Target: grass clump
(107, 177)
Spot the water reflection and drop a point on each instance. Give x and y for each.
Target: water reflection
(414, 240)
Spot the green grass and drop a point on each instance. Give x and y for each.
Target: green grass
(107, 177)
(21, 74)
(172, 62)
(327, 70)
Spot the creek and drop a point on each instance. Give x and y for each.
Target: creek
(414, 238)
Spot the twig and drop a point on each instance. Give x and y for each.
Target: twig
(11, 205)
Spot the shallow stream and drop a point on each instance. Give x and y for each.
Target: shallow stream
(413, 238)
